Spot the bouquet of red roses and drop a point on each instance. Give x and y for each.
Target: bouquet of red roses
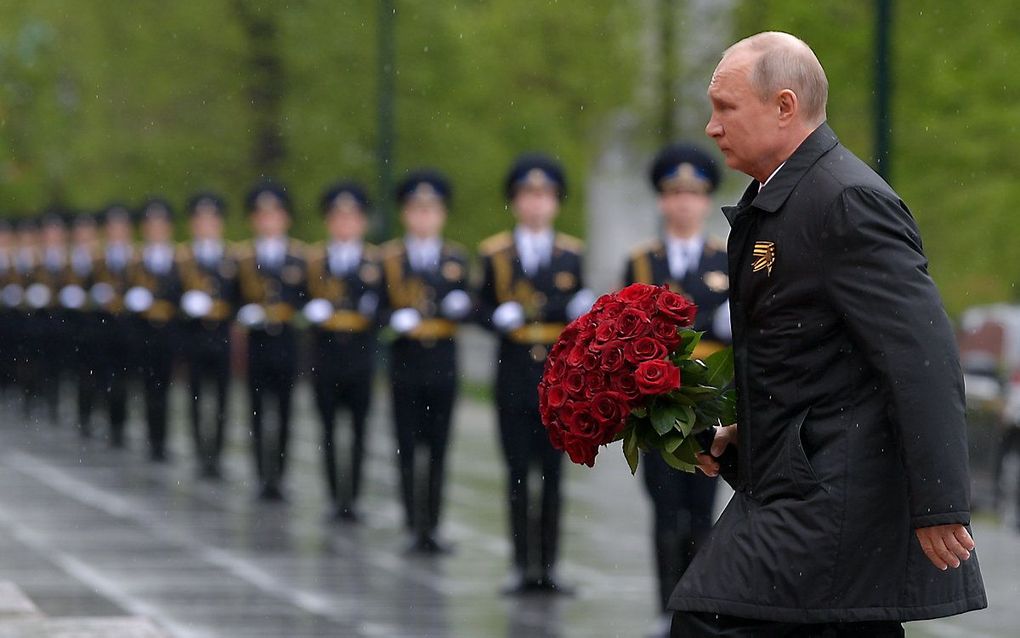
(626, 371)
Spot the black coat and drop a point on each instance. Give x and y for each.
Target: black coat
(851, 408)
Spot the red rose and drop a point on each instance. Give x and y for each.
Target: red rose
(677, 307)
(554, 370)
(594, 382)
(636, 293)
(591, 361)
(612, 358)
(582, 423)
(644, 349)
(580, 450)
(625, 383)
(605, 331)
(555, 433)
(657, 377)
(633, 323)
(575, 357)
(573, 382)
(665, 329)
(555, 397)
(611, 410)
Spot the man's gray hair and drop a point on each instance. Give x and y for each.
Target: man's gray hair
(787, 62)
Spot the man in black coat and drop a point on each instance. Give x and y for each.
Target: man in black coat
(849, 456)
(209, 281)
(344, 277)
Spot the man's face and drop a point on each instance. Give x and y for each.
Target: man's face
(745, 128)
(536, 206)
(684, 210)
(54, 236)
(85, 235)
(118, 231)
(206, 223)
(157, 230)
(270, 220)
(346, 222)
(424, 217)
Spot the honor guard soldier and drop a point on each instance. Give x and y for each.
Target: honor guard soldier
(48, 325)
(80, 316)
(8, 359)
(691, 263)
(209, 280)
(425, 296)
(153, 295)
(273, 279)
(116, 345)
(29, 364)
(532, 287)
(344, 278)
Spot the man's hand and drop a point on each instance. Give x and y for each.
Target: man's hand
(724, 436)
(945, 545)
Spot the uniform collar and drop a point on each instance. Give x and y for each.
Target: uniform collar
(781, 184)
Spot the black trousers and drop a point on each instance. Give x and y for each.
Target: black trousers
(1009, 443)
(117, 358)
(528, 454)
(208, 358)
(705, 625)
(86, 368)
(158, 347)
(424, 381)
(682, 518)
(343, 370)
(272, 371)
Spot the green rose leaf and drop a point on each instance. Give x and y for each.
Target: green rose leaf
(630, 448)
(720, 367)
(665, 415)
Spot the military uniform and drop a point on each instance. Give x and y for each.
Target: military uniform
(696, 267)
(273, 278)
(115, 345)
(209, 280)
(416, 298)
(29, 333)
(344, 280)
(531, 288)
(47, 317)
(153, 296)
(8, 277)
(83, 324)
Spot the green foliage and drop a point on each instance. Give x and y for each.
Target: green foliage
(956, 113)
(105, 100)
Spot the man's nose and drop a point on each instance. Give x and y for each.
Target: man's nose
(713, 129)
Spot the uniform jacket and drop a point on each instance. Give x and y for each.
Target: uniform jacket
(219, 281)
(708, 285)
(281, 291)
(850, 408)
(404, 287)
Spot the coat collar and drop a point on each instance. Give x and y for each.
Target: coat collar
(773, 196)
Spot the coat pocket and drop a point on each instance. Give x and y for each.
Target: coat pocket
(798, 465)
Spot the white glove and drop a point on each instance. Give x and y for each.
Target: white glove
(196, 303)
(405, 320)
(138, 299)
(368, 304)
(456, 305)
(318, 310)
(508, 316)
(38, 296)
(251, 315)
(12, 295)
(102, 293)
(580, 303)
(721, 322)
(72, 296)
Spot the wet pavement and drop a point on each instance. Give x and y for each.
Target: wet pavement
(90, 532)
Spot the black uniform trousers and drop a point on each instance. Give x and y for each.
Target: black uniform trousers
(343, 368)
(32, 368)
(424, 380)
(682, 518)
(706, 625)
(272, 371)
(208, 359)
(117, 361)
(88, 374)
(526, 447)
(158, 347)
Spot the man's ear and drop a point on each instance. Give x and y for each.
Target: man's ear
(788, 106)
